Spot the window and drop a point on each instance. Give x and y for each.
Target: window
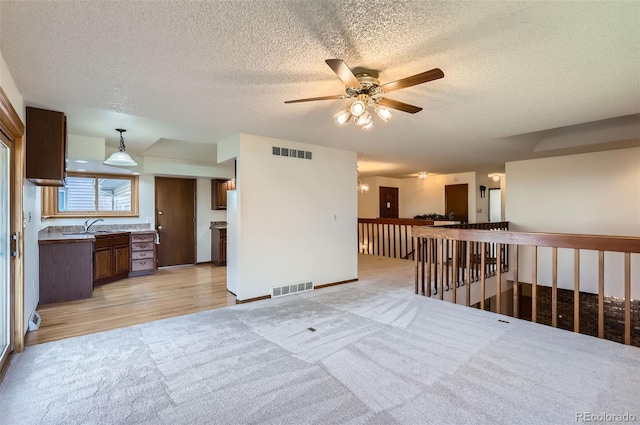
(89, 194)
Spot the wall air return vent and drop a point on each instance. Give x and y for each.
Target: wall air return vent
(291, 153)
(279, 291)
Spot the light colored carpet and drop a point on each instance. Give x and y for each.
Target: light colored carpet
(380, 355)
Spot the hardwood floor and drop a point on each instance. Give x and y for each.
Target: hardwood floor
(169, 292)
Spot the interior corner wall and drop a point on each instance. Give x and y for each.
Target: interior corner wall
(30, 208)
(297, 217)
(593, 193)
(9, 87)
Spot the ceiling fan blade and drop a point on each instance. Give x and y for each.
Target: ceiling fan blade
(400, 106)
(310, 99)
(343, 72)
(423, 77)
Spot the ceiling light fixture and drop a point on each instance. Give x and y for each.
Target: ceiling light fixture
(495, 177)
(121, 158)
(384, 113)
(361, 117)
(423, 175)
(342, 117)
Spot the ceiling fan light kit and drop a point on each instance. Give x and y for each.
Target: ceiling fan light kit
(368, 91)
(342, 117)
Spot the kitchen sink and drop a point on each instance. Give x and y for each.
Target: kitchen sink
(93, 232)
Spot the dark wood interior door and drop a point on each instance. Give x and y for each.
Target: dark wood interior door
(456, 201)
(388, 202)
(176, 220)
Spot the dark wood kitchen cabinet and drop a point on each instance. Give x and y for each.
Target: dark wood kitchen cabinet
(66, 272)
(111, 258)
(143, 253)
(219, 246)
(46, 147)
(219, 193)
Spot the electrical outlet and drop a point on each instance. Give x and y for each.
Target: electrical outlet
(479, 211)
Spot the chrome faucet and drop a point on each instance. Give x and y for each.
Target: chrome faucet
(87, 226)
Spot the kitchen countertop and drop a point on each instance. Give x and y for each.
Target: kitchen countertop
(218, 225)
(62, 235)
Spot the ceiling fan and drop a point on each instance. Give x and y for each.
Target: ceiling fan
(369, 92)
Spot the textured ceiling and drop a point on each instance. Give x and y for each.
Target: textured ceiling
(198, 71)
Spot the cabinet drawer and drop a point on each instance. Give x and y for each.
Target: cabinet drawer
(137, 255)
(121, 240)
(103, 242)
(137, 265)
(142, 246)
(144, 237)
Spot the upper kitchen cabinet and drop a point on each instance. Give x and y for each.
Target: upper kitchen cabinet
(219, 193)
(46, 147)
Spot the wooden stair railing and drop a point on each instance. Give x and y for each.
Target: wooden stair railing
(471, 258)
(391, 237)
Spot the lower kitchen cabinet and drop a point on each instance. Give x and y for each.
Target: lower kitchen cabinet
(143, 253)
(219, 246)
(111, 258)
(66, 272)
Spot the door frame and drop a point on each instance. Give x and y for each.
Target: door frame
(12, 126)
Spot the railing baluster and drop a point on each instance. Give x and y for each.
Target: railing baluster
(576, 290)
(395, 243)
(434, 255)
(483, 263)
(413, 248)
(454, 272)
(554, 287)
(516, 284)
(445, 260)
(499, 278)
(378, 237)
(627, 298)
(406, 241)
(534, 286)
(429, 255)
(441, 269)
(600, 294)
(468, 273)
(417, 263)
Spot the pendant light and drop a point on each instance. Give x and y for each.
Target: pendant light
(121, 158)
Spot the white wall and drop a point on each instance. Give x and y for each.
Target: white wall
(296, 218)
(593, 193)
(9, 87)
(418, 196)
(31, 207)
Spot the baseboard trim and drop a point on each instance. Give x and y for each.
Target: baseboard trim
(250, 300)
(266, 297)
(326, 285)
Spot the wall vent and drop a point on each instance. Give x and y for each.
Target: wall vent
(279, 291)
(291, 153)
